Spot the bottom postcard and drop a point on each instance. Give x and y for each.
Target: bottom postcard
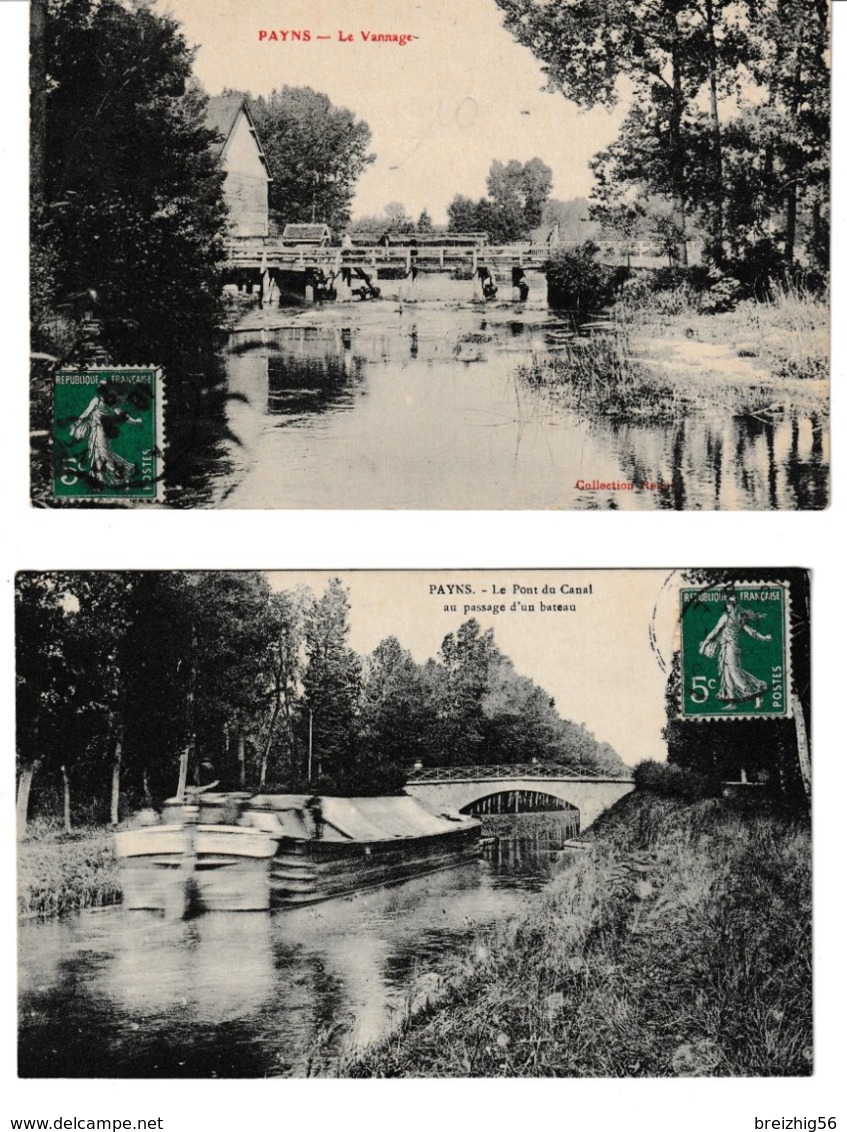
(519, 823)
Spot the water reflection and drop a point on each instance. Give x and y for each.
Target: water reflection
(120, 994)
(422, 405)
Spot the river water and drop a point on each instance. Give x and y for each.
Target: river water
(422, 404)
(111, 993)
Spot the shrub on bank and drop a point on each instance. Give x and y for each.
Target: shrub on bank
(577, 281)
(670, 781)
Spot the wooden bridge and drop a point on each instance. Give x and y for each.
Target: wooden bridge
(517, 788)
(272, 255)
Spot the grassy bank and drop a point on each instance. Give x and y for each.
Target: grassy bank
(661, 358)
(677, 944)
(62, 873)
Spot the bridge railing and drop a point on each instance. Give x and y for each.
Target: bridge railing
(251, 252)
(498, 771)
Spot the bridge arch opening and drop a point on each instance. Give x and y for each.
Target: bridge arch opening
(518, 802)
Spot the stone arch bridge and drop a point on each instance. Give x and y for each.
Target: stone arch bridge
(529, 784)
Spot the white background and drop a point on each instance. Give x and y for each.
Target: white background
(34, 539)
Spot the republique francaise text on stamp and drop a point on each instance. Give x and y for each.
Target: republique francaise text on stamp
(108, 433)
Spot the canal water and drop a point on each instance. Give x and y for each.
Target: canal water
(111, 993)
(422, 400)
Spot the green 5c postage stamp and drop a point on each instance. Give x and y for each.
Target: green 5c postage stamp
(108, 433)
(735, 647)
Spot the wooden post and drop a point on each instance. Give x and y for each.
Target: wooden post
(309, 766)
(66, 799)
(116, 778)
(441, 256)
(182, 781)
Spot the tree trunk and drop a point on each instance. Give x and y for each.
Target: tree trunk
(793, 162)
(802, 746)
(241, 771)
(189, 720)
(677, 151)
(183, 772)
(116, 778)
(22, 805)
(66, 800)
(717, 142)
(263, 771)
(38, 100)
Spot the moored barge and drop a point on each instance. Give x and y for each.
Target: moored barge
(199, 858)
(337, 846)
(237, 852)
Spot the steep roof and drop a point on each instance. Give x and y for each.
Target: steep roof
(222, 113)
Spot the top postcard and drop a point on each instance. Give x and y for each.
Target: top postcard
(505, 254)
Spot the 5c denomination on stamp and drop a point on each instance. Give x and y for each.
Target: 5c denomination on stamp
(735, 646)
(108, 433)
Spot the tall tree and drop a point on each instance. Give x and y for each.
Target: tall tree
(394, 719)
(39, 678)
(316, 152)
(331, 682)
(520, 192)
(71, 683)
(461, 214)
(664, 48)
(465, 660)
(285, 669)
(517, 195)
(679, 58)
(232, 634)
(130, 183)
(789, 129)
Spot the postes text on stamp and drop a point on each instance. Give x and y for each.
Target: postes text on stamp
(107, 433)
(735, 647)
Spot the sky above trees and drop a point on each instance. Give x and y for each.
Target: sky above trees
(462, 94)
(598, 664)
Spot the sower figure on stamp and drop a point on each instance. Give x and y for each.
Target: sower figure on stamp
(98, 426)
(737, 684)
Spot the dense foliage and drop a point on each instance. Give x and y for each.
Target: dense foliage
(128, 209)
(131, 685)
(672, 781)
(316, 153)
(516, 197)
(577, 281)
(728, 122)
